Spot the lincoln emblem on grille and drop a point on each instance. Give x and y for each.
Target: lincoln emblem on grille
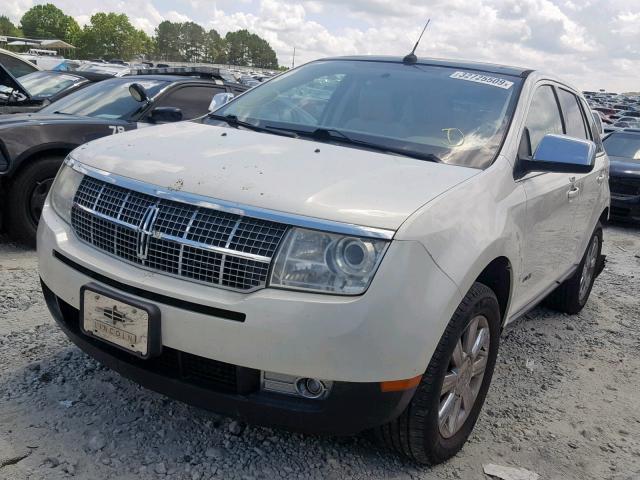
(115, 316)
(145, 230)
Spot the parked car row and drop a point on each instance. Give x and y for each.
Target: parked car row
(616, 111)
(252, 79)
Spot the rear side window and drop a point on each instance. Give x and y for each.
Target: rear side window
(192, 100)
(573, 119)
(543, 117)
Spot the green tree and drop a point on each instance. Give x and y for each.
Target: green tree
(167, 41)
(214, 48)
(8, 28)
(111, 35)
(48, 21)
(188, 42)
(261, 53)
(192, 39)
(237, 47)
(248, 49)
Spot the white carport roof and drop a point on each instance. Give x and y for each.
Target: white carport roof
(42, 43)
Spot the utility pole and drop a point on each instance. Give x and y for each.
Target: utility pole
(293, 61)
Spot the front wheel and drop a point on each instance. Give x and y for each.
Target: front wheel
(440, 417)
(26, 195)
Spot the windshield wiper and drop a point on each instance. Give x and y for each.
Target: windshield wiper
(331, 134)
(234, 121)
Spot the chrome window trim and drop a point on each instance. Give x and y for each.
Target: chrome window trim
(291, 219)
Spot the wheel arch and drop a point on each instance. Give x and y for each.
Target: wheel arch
(29, 155)
(604, 217)
(497, 275)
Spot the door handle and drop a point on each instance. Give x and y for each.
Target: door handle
(573, 193)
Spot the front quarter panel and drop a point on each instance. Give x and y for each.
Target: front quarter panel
(469, 226)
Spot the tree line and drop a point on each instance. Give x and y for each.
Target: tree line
(111, 35)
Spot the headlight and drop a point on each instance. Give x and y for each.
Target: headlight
(326, 262)
(64, 190)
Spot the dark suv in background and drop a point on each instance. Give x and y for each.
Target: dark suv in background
(33, 146)
(623, 149)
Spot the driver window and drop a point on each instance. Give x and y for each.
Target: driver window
(193, 101)
(543, 118)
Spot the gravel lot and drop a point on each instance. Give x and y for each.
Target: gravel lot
(565, 402)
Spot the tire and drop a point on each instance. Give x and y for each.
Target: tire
(29, 186)
(416, 433)
(569, 297)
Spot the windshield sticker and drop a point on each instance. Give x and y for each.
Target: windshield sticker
(484, 79)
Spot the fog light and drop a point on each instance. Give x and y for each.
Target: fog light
(310, 387)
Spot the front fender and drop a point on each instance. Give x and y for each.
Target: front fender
(472, 224)
(23, 157)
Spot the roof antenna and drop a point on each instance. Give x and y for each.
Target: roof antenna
(412, 58)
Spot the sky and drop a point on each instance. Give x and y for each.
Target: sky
(591, 43)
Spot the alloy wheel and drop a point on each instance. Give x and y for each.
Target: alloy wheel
(464, 376)
(589, 268)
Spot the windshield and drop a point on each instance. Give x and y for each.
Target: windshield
(623, 145)
(108, 99)
(457, 116)
(46, 84)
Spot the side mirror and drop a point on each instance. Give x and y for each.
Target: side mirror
(559, 153)
(220, 99)
(165, 115)
(138, 93)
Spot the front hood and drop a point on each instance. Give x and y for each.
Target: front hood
(622, 167)
(278, 173)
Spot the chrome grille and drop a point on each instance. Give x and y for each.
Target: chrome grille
(196, 243)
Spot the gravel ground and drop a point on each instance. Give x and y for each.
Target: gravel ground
(565, 402)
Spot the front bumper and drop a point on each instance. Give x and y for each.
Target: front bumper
(389, 333)
(350, 408)
(625, 207)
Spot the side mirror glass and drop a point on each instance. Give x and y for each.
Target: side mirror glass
(138, 93)
(165, 115)
(559, 153)
(220, 99)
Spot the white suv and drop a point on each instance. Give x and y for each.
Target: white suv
(336, 250)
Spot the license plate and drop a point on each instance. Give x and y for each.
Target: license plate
(125, 323)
